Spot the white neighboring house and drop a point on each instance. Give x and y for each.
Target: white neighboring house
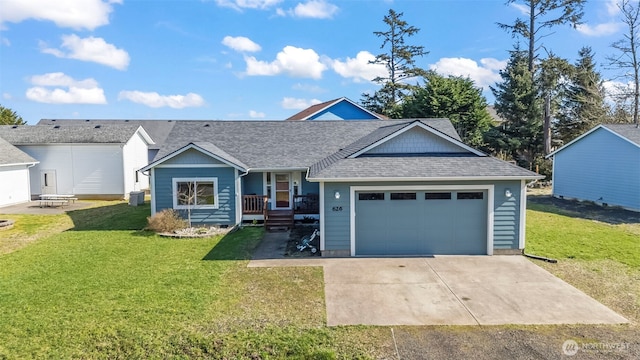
(14, 174)
(91, 162)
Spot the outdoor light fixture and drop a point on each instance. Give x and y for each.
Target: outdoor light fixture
(337, 195)
(508, 193)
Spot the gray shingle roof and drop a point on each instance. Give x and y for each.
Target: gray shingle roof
(221, 153)
(327, 144)
(67, 134)
(420, 167)
(281, 144)
(158, 130)
(629, 131)
(11, 155)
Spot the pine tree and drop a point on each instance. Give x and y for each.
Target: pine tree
(520, 135)
(10, 117)
(455, 98)
(399, 59)
(584, 104)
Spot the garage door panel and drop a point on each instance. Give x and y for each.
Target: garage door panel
(427, 223)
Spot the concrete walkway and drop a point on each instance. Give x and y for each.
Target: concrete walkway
(33, 208)
(448, 290)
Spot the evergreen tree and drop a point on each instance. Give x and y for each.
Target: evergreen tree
(399, 59)
(584, 104)
(455, 98)
(520, 136)
(10, 117)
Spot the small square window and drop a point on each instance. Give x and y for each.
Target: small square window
(370, 196)
(476, 195)
(403, 196)
(437, 196)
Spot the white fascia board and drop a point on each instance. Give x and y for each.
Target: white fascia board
(277, 169)
(145, 135)
(188, 147)
(20, 164)
(410, 126)
(576, 140)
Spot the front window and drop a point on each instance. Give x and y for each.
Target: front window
(195, 193)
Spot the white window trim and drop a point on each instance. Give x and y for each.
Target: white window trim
(175, 182)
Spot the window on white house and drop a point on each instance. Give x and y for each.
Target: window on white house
(195, 193)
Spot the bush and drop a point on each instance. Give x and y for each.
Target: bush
(167, 220)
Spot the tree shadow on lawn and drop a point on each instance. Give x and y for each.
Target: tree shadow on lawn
(236, 245)
(582, 209)
(119, 216)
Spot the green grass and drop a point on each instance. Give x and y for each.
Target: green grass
(106, 289)
(552, 234)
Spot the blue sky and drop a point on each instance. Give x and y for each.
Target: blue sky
(244, 59)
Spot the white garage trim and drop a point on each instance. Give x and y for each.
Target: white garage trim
(523, 214)
(354, 189)
(322, 233)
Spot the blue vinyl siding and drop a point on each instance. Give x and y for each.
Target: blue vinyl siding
(343, 111)
(224, 215)
(190, 157)
(506, 224)
(252, 184)
(601, 167)
(506, 215)
(309, 187)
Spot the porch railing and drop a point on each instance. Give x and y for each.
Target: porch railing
(306, 204)
(302, 204)
(254, 204)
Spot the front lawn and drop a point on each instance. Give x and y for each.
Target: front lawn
(91, 292)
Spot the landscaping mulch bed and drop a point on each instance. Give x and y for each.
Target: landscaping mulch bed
(295, 235)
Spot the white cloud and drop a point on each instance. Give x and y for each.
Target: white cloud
(241, 43)
(92, 49)
(359, 68)
(483, 75)
(612, 7)
(155, 100)
(604, 29)
(316, 9)
(617, 89)
(523, 9)
(85, 91)
(248, 4)
(298, 104)
(293, 61)
(77, 14)
(4, 41)
(256, 114)
(7, 96)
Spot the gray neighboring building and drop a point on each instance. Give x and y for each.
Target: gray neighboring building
(89, 161)
(14, 174)
(391, 187)
(602, 166)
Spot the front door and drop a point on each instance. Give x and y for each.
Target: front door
(283, 191)
(48, 182)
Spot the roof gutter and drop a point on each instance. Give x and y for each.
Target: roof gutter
(406, 179)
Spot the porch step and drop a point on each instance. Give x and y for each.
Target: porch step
(279, 218)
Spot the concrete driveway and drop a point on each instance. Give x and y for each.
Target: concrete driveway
(448, 290)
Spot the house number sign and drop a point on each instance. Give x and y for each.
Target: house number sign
(337, 208)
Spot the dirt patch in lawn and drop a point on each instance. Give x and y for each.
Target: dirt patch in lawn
(295, 237)
(582, 209)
